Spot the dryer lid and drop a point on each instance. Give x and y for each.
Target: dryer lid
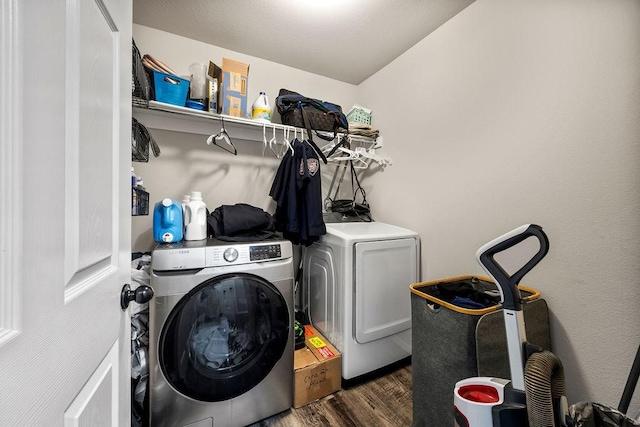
(352, 232)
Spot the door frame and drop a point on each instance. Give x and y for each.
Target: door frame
(11, 155)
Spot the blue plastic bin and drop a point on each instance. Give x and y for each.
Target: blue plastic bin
(170, 89)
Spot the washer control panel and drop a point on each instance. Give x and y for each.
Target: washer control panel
(222, 255)
(263, 252)
(198, 254)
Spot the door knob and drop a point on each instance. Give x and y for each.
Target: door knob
(141, 295)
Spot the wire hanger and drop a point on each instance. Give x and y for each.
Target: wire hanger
(286, 142)
(330, 148)
(343, 141)
(369, 153)
(223, 136)
(274, 142)
(356, 160)
(264, 139)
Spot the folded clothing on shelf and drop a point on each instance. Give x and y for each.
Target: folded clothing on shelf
(363, 130)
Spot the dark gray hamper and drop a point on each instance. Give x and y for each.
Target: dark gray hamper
(451, 343)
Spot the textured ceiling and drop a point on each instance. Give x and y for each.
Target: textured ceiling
(348, 40)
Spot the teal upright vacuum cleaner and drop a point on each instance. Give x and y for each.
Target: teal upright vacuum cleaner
(496, 402)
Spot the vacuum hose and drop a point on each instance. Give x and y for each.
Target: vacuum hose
(543, 381)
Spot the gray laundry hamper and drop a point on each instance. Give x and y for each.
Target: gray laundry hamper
(451, 343)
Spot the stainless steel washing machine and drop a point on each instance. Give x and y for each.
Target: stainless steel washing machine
(220, 333)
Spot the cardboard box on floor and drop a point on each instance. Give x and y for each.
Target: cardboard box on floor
(317, 369)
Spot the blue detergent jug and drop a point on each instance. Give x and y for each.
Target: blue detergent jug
(167, 221)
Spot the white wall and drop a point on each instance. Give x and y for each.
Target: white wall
(527, 111)
(187, 163)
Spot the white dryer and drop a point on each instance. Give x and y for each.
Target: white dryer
(356, 288)
(220, 333)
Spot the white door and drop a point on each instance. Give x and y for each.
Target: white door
(65, 85)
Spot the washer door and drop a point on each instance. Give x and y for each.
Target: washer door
(224, 337)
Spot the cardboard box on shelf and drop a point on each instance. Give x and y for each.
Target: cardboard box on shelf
(317, 369)
(234, 87)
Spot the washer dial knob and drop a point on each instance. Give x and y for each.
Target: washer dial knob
(230, 254)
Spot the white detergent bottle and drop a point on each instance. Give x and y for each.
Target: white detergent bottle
(261, 110)
(185, 220)
(185, 200)
(195, 219)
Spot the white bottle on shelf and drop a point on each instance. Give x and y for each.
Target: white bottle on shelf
(185, 199)
(261, 110)
(195, 219)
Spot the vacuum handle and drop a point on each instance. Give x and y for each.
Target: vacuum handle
(509, 284)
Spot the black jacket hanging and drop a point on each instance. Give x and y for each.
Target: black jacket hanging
(298, 194)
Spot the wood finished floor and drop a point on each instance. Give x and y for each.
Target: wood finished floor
(383, 401)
